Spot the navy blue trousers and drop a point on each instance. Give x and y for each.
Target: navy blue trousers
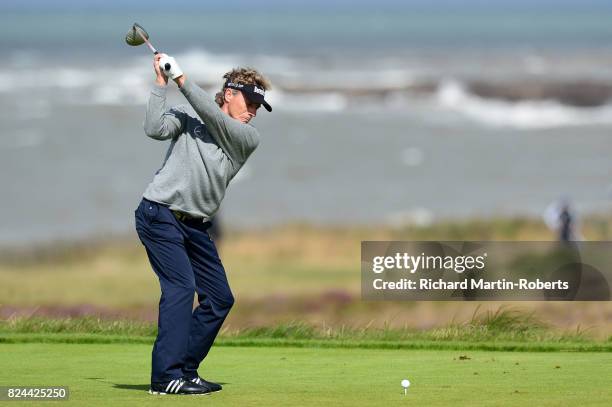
(186, 261)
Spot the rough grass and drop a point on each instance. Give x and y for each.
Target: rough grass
(278, 275)
(287, 242)
(503, 329)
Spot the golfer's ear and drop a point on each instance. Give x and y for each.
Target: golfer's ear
(227, 95)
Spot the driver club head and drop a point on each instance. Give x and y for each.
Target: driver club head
(136, 35)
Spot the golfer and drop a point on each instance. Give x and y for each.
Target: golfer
(210, 140)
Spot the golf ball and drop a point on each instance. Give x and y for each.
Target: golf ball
(405, 383)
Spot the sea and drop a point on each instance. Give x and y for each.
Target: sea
(386, 116)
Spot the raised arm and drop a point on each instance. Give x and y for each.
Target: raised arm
(237, 139)
(161, 123)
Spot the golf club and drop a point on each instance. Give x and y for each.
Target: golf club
(137, 35)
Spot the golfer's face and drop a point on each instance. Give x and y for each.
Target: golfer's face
(240, 108)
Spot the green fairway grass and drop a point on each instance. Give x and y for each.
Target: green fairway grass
(118, 374)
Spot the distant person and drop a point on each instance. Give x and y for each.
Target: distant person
(206, 151)
(565, 224)
(560, 218)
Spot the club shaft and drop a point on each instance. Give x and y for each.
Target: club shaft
(151, 47)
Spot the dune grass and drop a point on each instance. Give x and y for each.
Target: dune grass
(278, 275)
(503, 329)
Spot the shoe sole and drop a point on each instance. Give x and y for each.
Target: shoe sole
(162, 393)
(213, 391)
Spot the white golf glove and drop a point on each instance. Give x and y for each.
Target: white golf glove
(169, 67)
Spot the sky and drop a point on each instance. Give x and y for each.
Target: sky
(270, 5)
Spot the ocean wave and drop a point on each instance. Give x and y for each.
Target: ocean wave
(303, 84)
(532, 114)
(579, 93)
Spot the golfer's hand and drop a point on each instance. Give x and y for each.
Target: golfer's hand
(161, 78)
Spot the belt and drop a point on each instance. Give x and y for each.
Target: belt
(191, 220)
(182, 216)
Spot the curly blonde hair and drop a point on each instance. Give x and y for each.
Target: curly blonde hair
(246, 76)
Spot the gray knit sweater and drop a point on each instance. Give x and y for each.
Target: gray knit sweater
(206, 150)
